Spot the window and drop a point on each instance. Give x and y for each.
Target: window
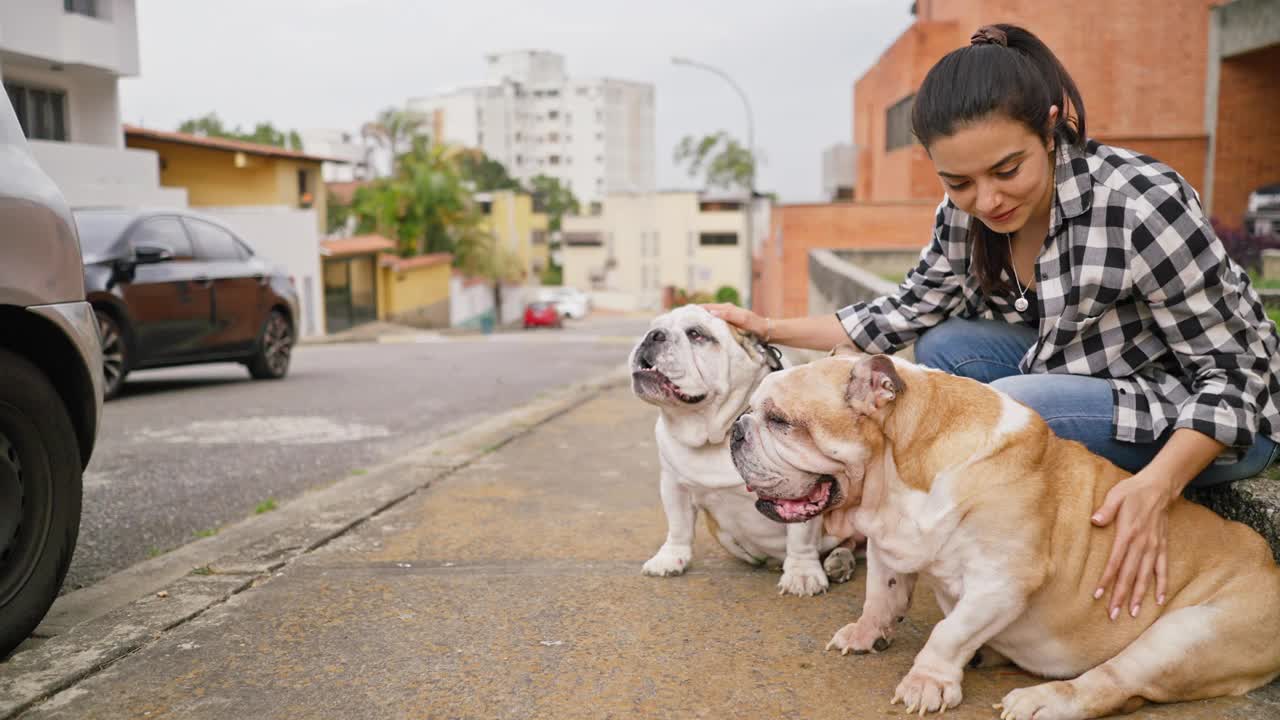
(165, 233)
(553, 137)
(582, 239)
(81, 7)
(718, 239)
(41, 112)
(897, 124)
(213, 244)
(553, 114)
(539, 237)
(554, 159)
(305, 198)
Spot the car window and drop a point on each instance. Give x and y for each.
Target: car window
(100, 230)
(213, 243)
(166, 233)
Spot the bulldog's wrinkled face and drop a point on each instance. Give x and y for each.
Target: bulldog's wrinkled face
(684, 358)
(803, 445)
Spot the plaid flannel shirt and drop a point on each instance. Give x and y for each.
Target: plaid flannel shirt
(1132, 285)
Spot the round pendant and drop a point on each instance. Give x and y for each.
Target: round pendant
(1021, 304)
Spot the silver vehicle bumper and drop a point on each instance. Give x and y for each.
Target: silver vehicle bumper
(80, 325)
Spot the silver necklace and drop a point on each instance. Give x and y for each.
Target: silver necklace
(1021, 303)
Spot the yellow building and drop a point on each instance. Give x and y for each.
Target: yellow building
(415, 291)
(223, 172)
(510, 216)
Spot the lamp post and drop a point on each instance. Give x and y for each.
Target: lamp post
(749, 251)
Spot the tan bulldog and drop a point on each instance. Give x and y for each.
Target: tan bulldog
(700, 372)
(958, 482)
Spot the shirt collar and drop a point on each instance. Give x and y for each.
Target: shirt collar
(1074, 184)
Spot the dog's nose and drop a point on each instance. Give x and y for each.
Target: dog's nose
(657, 336)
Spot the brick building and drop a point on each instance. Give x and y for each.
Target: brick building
(1194, 83)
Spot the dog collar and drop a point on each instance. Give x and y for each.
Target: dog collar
(772, 356)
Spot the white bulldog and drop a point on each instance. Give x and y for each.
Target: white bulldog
(701, 373)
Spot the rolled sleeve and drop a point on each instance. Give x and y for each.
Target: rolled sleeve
(1199, 304)
(925, 298)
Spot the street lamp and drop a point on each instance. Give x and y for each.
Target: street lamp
(751, 178)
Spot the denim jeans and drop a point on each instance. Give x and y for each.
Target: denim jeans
(1077, 407)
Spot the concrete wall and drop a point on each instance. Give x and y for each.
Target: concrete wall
(835, 283)
(90, 175)
(470, 302)
(417, 296)
(41, 29)
(288, 237)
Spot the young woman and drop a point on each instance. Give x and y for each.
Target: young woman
(1084, 281)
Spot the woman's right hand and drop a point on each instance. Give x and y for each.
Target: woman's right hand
(741, 318)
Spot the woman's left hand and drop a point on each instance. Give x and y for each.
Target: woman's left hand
(1139, 505)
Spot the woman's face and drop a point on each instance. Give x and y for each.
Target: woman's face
(997, 170)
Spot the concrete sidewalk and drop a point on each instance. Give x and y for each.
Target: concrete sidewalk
(511, 588)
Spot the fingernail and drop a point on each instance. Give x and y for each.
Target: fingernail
(1115, 612)
(1097, 518)
(1160, 600)
(1097, 593)
(1134, 610)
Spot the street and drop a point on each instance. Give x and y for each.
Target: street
(185, 451)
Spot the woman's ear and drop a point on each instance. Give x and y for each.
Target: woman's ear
(1054, 112)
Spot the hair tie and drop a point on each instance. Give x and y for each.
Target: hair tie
(989, 35)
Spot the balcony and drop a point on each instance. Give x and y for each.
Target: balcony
(91, 175)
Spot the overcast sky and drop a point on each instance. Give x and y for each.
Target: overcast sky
(335, 63)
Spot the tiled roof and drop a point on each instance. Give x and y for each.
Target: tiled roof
(216, 143)
(358, 245)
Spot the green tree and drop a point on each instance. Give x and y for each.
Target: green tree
(722, 161)
(552, 198)
(419, 205)
(395, 130)
(264, 133)
(484, 172)
(336, 214)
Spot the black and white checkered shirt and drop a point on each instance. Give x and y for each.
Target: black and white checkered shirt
(1132, 286)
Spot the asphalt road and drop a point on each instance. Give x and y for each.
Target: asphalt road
(185, 451)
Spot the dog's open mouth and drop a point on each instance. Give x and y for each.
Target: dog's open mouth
(791, 510)
(652, 377)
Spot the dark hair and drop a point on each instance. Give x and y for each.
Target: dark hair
(1006, 70)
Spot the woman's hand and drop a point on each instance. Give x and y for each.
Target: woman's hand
(1139, 505)
(741, 318)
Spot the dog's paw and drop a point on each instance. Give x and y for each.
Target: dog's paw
(840, 565)
(928, 690)
(668, 561)
(860, 638)
(1047, 701)
(802, 577)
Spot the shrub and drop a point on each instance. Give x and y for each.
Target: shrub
(728, 294)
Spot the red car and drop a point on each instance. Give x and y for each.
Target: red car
(541, 314)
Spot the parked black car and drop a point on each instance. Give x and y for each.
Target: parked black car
(50, 386)
(173, 287)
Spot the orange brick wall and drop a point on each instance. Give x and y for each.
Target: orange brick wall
(1248, 142)
(801, 228)
(1140, 66)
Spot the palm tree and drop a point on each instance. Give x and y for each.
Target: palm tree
(394, 129)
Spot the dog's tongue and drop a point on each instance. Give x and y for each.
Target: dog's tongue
(805, 506)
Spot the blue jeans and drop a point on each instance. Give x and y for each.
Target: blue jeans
(1077, 407)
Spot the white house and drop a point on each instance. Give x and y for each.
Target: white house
(60, 63)
(596, 135)
(641, 243)
(341, 145)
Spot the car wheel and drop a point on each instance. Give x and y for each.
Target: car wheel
(275, 347)
(40, 486)
(114, 358)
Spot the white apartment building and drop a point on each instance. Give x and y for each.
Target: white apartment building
(839, 168)
(641, 243)
(341, 145)
(60, 62)
(596, 135)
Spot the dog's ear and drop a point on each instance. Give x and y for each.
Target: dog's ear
(755, 347)
(844, 349)
(873, 383)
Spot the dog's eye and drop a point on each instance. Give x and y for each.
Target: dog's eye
(777, 420)
(694, 335)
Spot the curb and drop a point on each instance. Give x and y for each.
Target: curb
(133, 608)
